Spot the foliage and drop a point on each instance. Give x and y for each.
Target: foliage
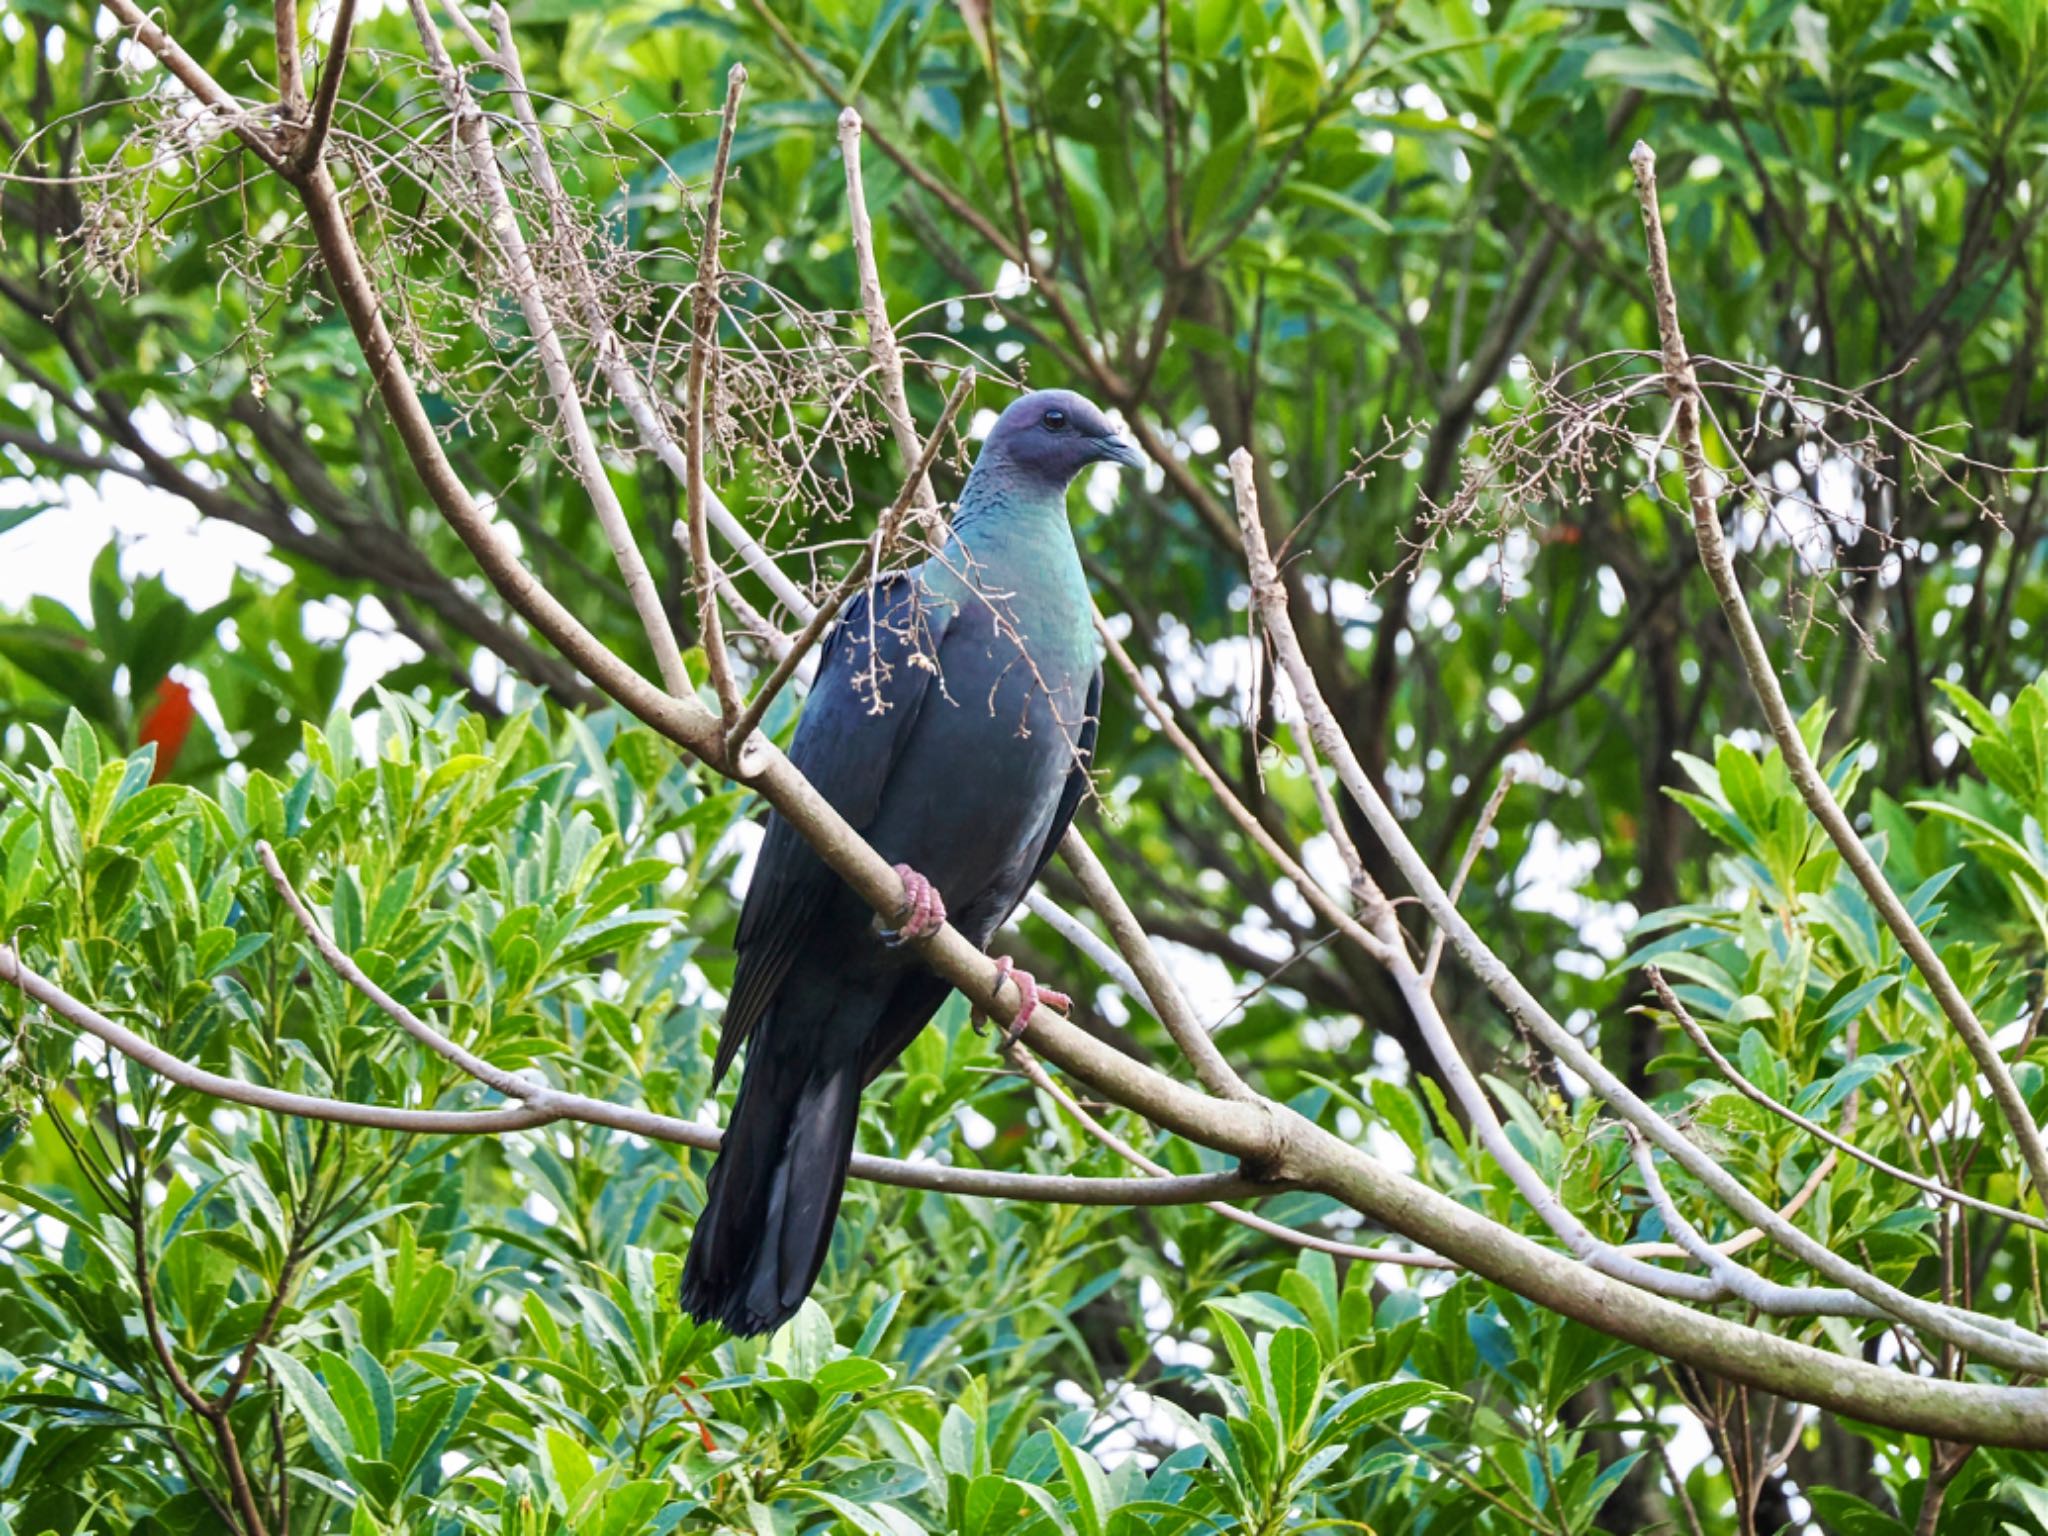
(451, 1336)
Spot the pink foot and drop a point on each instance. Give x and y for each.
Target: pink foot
(1033, 995)
(924, 910)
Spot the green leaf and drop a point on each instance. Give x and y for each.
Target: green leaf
(1651, 69)
(324, 1422)
(875, 1482)
(351, 1396)
(853, 1374)
(1086, 1486)
(565, 1466)
(1294, 1364)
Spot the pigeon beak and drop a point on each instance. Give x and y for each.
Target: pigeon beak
(1117, 449)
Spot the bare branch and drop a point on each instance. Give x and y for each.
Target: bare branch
(1683, 385)
(474, 131)
(1993, 1339)
(881, 334)
(612, 362)
(1767, 1297)
(543, 1105)
(1030, 1066)
(1473, 844)
(291, 80)
(328, 91)
(1169, 1004)
(1085, 939)
(703, 344)
(1326, 906)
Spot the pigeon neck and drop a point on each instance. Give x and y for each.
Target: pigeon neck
(1010, 533)
(1001, 490)
(1002, 510)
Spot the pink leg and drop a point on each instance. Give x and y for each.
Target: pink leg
(924, 910)
(1033, 995)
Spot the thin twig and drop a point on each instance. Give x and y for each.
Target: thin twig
(703, 343)
(473, 129)
(612, 361)
(1676, 1007)
(882, 347)
(888, 534)
(250, 127)
(1473, 844)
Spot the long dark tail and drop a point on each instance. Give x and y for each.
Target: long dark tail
(773, 1194)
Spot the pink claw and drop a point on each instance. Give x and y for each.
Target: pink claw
(924, 911)
(1032, 996)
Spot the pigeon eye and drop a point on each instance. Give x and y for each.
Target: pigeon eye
(1055, 419)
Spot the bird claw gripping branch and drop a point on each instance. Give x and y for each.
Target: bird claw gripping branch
(924, 910)
(1033, 994)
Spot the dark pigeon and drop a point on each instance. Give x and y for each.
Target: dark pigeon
(952, 723)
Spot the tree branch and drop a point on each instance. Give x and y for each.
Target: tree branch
(328, 91)
(1029, 1065)
(1675, 1006)
(1267, 1135)
(703, 346)
(502, 220)
(542, 1105)
(1993, 1339)
(1684, 389)
(882, 347)
(612, 362)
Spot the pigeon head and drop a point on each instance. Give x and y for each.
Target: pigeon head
(1051, 435)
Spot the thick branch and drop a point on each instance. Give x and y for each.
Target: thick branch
(291, 80)
(1029, 1065)
(543, 1105)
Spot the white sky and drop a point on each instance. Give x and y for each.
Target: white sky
(160, 535)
